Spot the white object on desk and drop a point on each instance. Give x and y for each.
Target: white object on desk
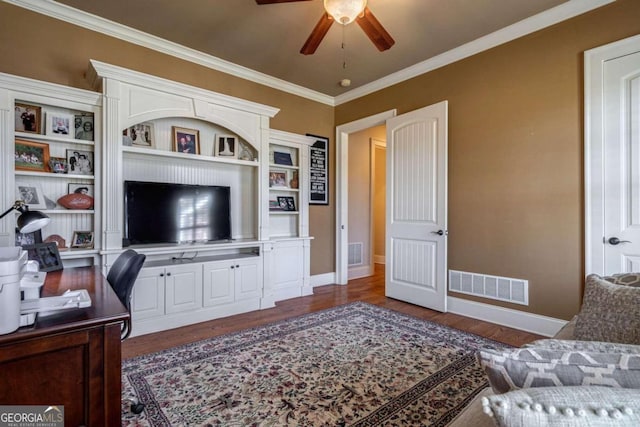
(71, 299)
(12, 260)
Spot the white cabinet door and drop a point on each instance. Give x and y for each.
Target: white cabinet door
(148, 294)
(183, 285)
(218, 283)
(287, 265)
(248, 278)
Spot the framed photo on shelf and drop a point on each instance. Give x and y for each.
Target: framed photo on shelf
(31, 156)
(80, 162)
(140, 135)
(31, 194)
(274, 205)
(46, 254)
(287, 203)
(28, 118)
(277, 178)
(282, 158)
(75, 188)
(23, 239)
(186, 140)
(226, 146)
(60, 124)
(82, 239)
(83, 126)
(58, 164)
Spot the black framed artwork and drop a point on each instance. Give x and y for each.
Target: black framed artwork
(319, 171)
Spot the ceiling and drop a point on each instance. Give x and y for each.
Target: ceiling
(268, 38)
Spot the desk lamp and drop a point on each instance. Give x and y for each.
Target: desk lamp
(28, 221)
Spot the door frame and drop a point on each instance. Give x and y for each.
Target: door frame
(374, 144)
(342, 186)
(594, 147)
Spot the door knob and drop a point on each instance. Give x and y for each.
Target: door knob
(440, 232)
(615, 241)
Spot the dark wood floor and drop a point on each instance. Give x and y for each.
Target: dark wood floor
(369, 289)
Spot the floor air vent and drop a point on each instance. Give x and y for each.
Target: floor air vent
(486, 286)
(355, 253)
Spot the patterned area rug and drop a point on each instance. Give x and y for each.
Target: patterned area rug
(357, 365)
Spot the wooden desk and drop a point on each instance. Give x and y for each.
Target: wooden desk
(71, 358)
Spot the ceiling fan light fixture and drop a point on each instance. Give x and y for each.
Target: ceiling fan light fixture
(344, 11)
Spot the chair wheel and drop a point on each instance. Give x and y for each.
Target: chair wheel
(137, 408)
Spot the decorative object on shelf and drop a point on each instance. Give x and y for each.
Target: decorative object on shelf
(277, 178)
(245, 152)
(58, 240)
(28, 238)
(28, 221)
(83, 126)
(294, 180)
(31, 156)
(274, 205)
(82, 239)
(281, 158)
(226, 146)
(31, 194)
(186, 140)
(58, 164)
(59, 124)
(76, 201)
(140, 135)
(80, 162)
(80, 188)
(287, 203)
(46, 254)
(50, 203)
(319, 171)
(28, 118)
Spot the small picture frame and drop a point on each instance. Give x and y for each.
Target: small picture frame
(80, 162)
(287, 203)
(60, 124)
(82, 239)
(31, 156)
(46, 254)
(31, 194)
(186, 140)
(58, 164)
(277, 178)
(23, 239)
(76, 188)
(83, 127)
(274, 205)
(226, 146)
(140, 135)
(282, 158)
(28, 118)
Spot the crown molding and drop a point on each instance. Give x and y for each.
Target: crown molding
(95, 23)
(86, 20)
(530, 25)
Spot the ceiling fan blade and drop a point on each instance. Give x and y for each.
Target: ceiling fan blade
(318, 33)
(374, 30)
(276, 1)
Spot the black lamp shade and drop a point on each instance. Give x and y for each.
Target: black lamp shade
(30, 221)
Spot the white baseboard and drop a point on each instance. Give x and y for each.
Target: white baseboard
(358, 272)
(323, 279)
(379, 259)
(534, 323)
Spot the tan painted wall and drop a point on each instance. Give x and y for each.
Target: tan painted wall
(516, 153)
(34, 46)
(359, 192)
(379, 201)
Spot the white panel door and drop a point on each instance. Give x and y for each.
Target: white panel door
(416, 220)
(622, 164)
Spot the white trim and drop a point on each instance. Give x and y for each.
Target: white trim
(342, 184)
(594, 114)
(532, 24)
(95, 23)
(534, 323)
(360, 271)
(379, 259)
(323, 279)
(537, 22)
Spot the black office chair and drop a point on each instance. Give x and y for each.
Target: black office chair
(122, 275)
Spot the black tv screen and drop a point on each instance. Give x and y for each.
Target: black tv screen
(175, 213)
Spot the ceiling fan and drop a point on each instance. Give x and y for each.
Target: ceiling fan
(345, 12)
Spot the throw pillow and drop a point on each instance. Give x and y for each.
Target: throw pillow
(565, 406)
(609, 312)
(626, 279)
(544, 367)
(589, 346)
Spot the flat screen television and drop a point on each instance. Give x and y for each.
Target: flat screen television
(175, 213)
